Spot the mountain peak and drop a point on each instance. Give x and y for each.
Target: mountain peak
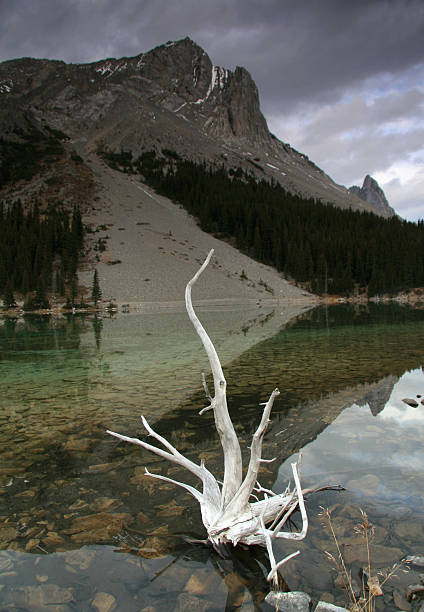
(171, 97)
(372, 193)
(371, 183)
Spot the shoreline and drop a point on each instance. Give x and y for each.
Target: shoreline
(165, 305)
(153, 306)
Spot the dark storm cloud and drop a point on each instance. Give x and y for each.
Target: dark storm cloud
(336, 77)
(296, 51)
(328, 47)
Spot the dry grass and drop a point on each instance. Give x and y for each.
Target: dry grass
(371, 585)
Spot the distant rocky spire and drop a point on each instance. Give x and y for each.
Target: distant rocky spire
(372, 193)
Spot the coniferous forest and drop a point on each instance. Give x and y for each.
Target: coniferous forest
(39, 251)
(321, 246)
(325, 248)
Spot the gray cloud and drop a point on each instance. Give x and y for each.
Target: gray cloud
(316, 62)
(375, 131)
(296, 51)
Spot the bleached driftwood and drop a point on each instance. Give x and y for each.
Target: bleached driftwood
(228, 512)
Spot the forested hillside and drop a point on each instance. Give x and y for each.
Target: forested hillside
(39, 251)
(325, 248)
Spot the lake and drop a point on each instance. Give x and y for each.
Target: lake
(82, 527)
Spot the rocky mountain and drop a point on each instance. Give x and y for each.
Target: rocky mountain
(170, 97)
(372, 193)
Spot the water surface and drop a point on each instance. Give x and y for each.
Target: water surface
(81, 524)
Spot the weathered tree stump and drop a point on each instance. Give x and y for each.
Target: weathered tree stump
(232, 512)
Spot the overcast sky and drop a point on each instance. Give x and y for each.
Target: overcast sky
(340, 80)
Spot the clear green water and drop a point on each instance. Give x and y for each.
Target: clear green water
(82, 528)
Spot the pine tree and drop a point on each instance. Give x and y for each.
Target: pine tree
(97, 328)
(96, 293)
(74, 290)
(41, 300)
(60, 285)
(9, 299)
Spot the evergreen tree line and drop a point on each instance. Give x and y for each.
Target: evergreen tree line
(39, 250)
(326, 248)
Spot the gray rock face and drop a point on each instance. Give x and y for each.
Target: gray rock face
(170, 97)
(177, 77)
(372, 193)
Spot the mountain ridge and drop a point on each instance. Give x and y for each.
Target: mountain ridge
(173, 97)
(177, 127)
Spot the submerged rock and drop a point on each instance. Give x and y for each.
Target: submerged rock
(6, 563)
(323, 606)
(367, 485)
(170, 509)
(76, 444)
(7, 534)
(381, 555)
(342, 582)
(33, 543)
(417, 560)
(294, 601)
(101, 468)
(185, 602)
(102, 504)
(53, 539)
(400, 601)
(103, 602)
(80, 559)
(99, 527)
(41, 597)
(142, 518)
(415, 591)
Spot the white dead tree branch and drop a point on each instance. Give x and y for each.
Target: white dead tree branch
(227, 512)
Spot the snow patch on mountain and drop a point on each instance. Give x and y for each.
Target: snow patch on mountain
(6, 86)
(109, 69)
(219, 78)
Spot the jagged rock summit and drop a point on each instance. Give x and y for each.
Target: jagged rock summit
(176, 79)
(372, 193)
(171, 97)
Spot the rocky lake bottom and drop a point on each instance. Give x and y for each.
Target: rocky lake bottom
(83, 528)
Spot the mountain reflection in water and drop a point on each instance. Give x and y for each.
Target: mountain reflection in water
(68, 492)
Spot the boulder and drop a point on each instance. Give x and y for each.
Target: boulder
(323, 606)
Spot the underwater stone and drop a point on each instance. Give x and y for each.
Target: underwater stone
(103, 602)
(417, 560)
(400, 601)
(414, 591)
(295, 601)
(323, 606)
